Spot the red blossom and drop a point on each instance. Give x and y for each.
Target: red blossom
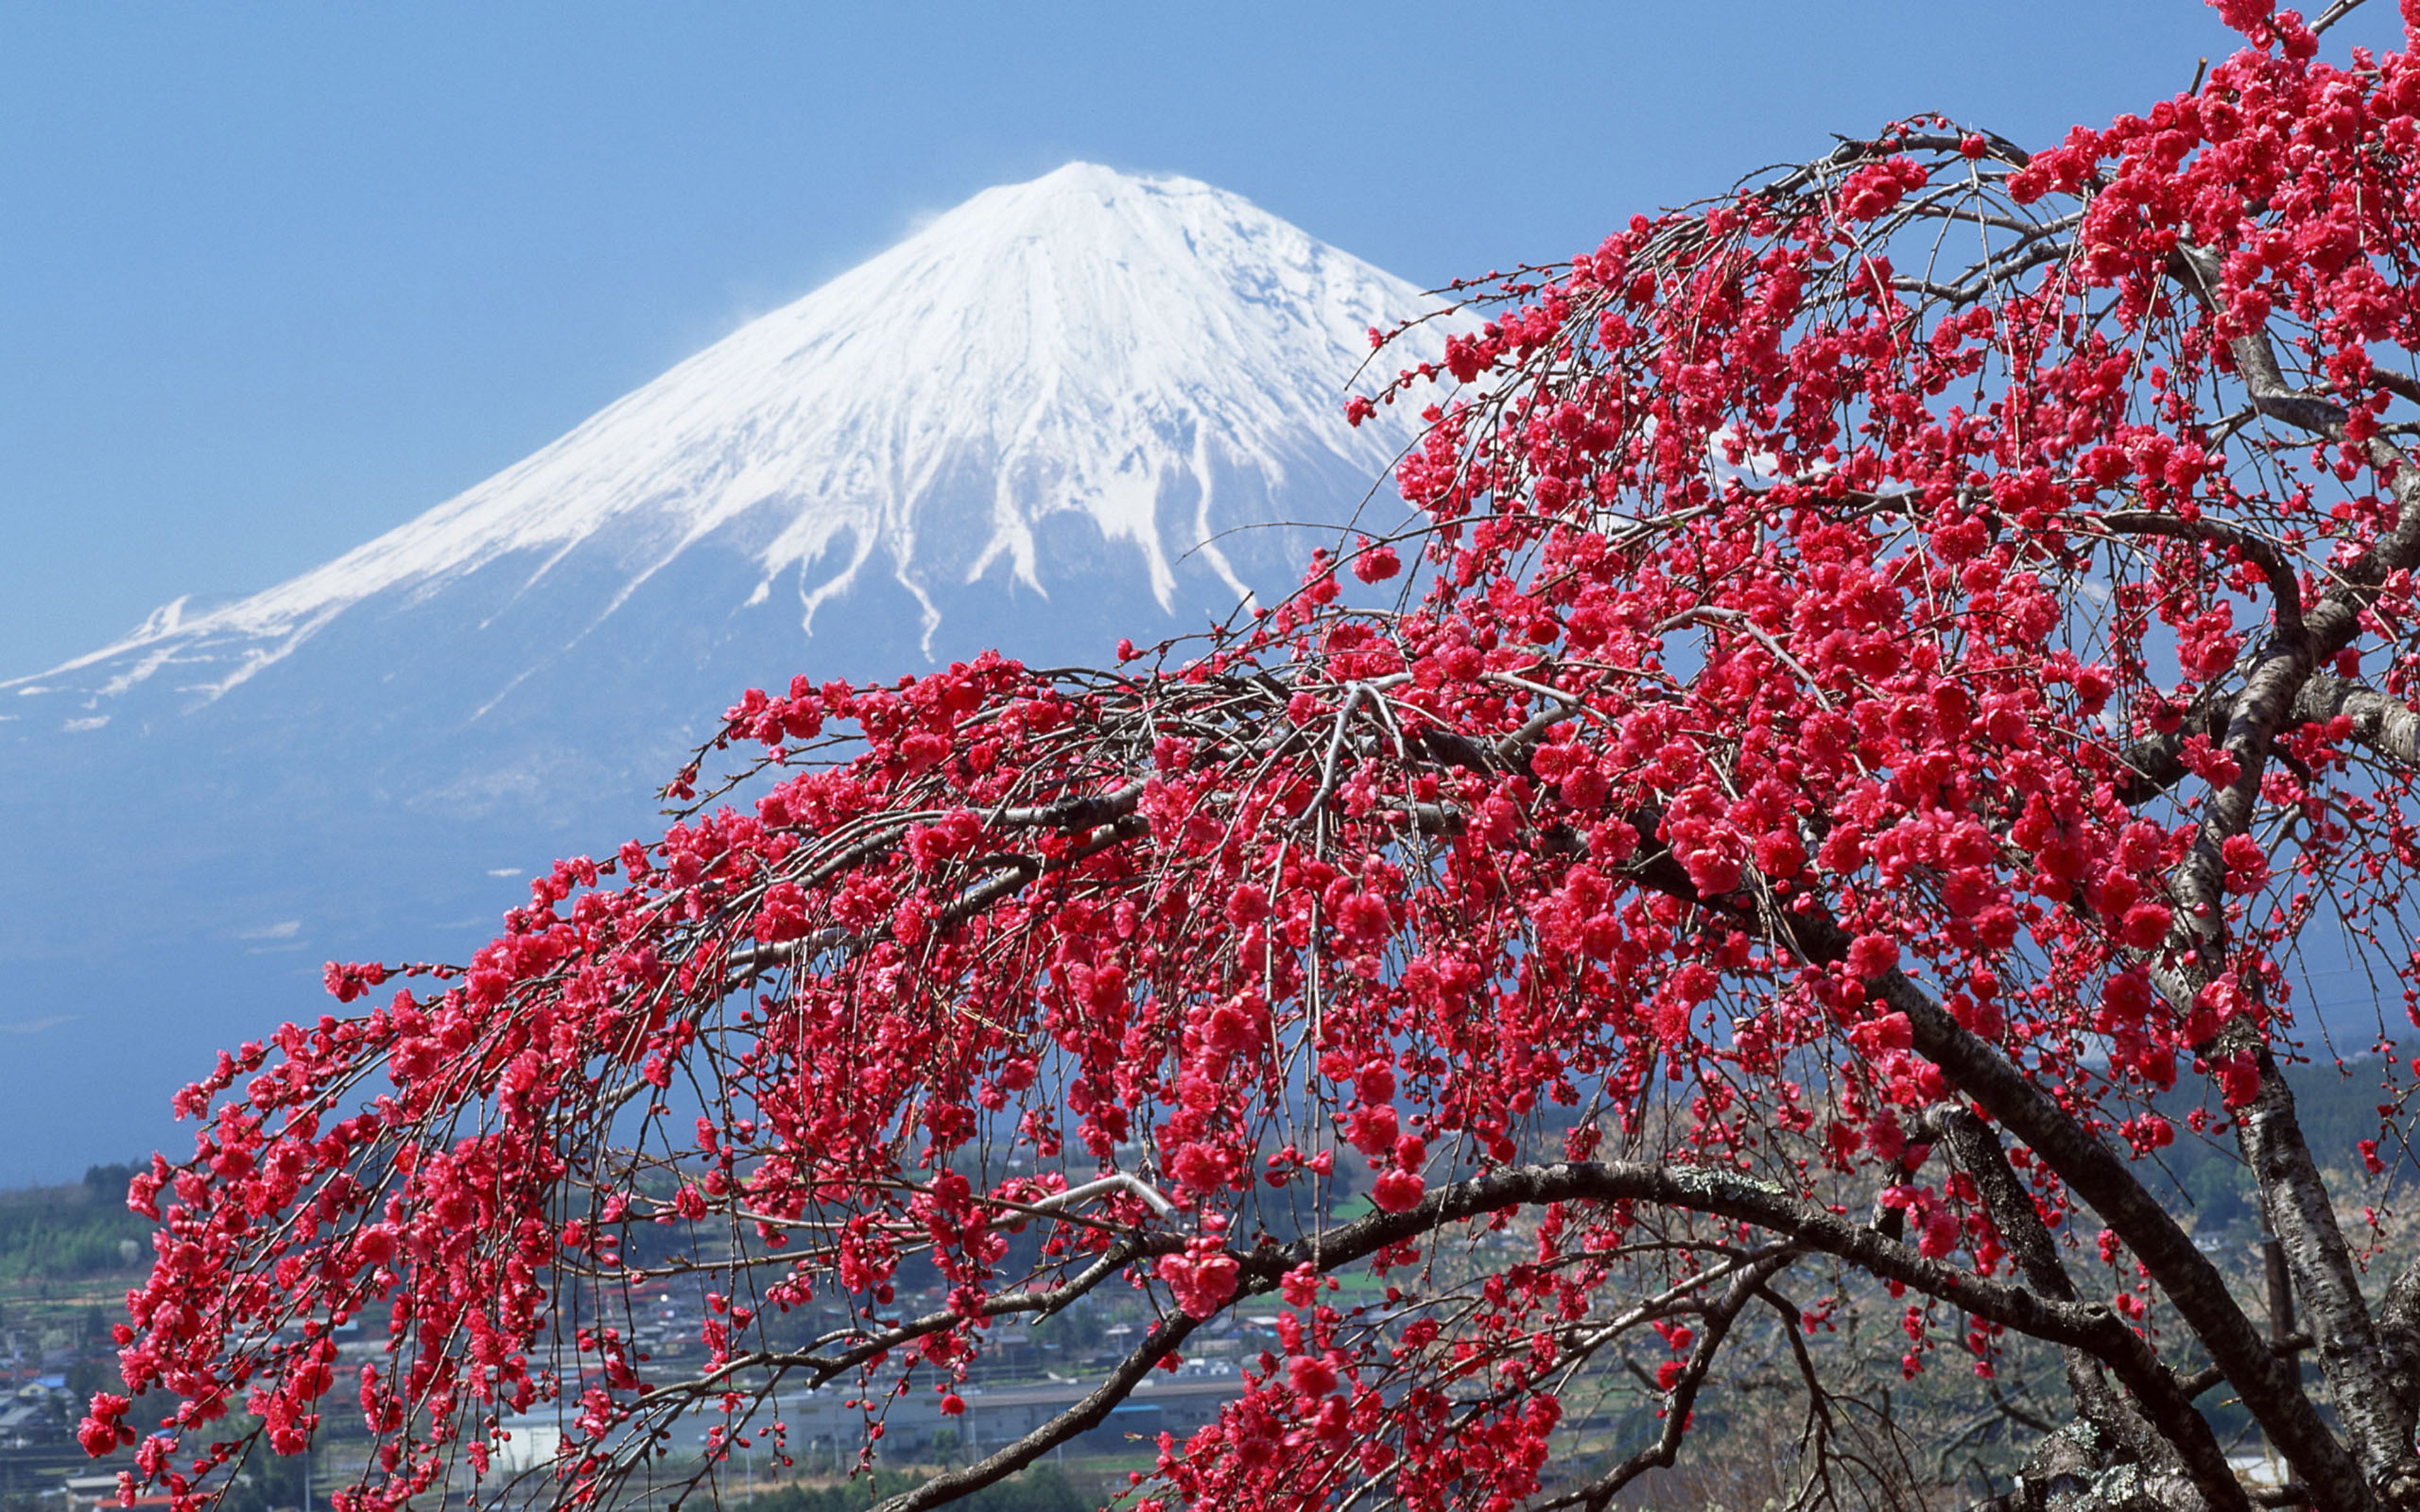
(1310, 1376)
(1398, 1191)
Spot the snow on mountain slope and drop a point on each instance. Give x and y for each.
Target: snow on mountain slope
(1124, 350)
(1068, 410)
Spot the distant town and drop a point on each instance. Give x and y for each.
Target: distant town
(70, 1253)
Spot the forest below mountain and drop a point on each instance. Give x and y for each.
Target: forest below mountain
(72, 1233)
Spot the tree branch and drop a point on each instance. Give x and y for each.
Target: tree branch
(2175, 1444)
(2192, 1283)
(1682, 1400)
(2386, 725)
(2285, 589)
(2096, 1329)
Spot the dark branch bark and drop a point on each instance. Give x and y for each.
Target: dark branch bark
(2387, 725)
(2285, 589)
(2269, 1389)
(2292, 1191)
(2303, 1214)
(2176, 1445)
(2398, 1341)
(1682, 1400)
(2209, 1376)
(1085, 1415)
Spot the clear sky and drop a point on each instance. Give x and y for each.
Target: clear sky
(274, 277)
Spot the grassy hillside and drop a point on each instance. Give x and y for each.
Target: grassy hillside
(72, 1233)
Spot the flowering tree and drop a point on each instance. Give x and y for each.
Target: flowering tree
(1904, 662)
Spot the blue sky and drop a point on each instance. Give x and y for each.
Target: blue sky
(274, 277)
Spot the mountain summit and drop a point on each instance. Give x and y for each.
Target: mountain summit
(1066, 410)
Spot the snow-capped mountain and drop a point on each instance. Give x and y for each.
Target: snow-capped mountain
(1152, 358)
(1067, 410)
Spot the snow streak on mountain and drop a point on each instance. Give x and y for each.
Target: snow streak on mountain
(1067, 410)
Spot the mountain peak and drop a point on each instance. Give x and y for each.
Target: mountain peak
(1081, 179)
(1079, 176)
